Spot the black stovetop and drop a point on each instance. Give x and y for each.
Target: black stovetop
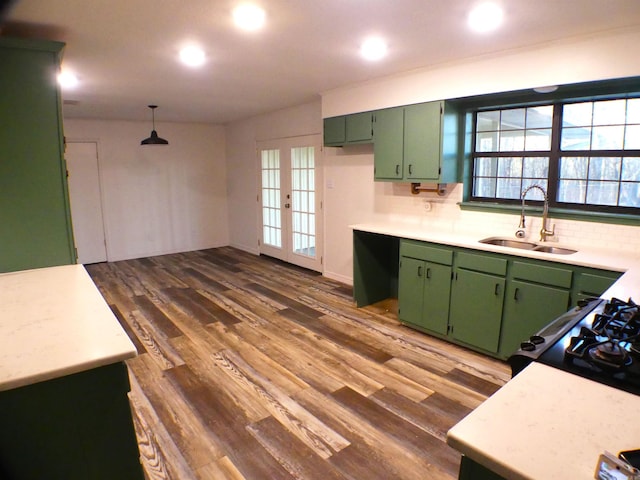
(600, 341)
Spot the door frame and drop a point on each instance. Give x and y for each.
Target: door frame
(314, 140)
(100, 187)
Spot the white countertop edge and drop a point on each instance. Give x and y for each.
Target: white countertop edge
(55, 322)
(69, 370)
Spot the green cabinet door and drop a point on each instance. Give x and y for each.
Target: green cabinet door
(528, 308)
(335, 131)
(435, 302)
(359, 128)
(410, 290)
(476, 309)
(422, 141)
(34, 203)
(388, 140)
(592, 283)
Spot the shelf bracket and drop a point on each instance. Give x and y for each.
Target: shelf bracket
(440, 189)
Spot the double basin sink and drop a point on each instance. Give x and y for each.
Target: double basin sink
(524, 245)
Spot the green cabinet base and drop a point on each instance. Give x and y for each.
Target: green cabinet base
(76, 427)
(470, 470)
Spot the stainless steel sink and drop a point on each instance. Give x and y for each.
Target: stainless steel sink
(512, 243)
(508, 242)
(556, 250)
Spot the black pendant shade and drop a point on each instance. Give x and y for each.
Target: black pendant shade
(154, 139)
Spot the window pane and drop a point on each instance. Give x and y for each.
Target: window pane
(610, 112)
(607, 138)
(632, 137)
(602, 193)
(604, 168)
(487, 142)
(577, 114)
(631, 169)
(576, 138)
(534, 194)
(508, 188)
(539, 139)
(488, 121)
(540, 117)
(572, 191)
(630, 194)
(536, 167)
(485, 187)
(485, 166)
(512, 119)
(512, 141)
(510, 167)
(574, 167)
(633, 110)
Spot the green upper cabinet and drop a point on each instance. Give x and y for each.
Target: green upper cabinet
(34, 203)
(388, 143)
(335, 131)
(348, 129)
(416, 143)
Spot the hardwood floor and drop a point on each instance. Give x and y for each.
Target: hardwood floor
(251, 369)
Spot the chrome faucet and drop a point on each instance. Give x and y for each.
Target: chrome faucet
(544, 231)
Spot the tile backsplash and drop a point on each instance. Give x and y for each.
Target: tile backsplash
(444, 214)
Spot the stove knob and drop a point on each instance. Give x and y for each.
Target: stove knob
(527, 346)
(536, 339)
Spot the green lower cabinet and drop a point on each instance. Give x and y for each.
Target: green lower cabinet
(527, 309)
(77, 427)
(470, 470)
(423, 294)
(476, 309)
(592, 283)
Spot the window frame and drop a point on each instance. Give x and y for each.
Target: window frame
(626, 88)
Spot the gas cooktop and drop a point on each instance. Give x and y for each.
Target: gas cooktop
(598, 340)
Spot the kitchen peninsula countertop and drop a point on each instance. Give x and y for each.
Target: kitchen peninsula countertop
(544, 423)
(55, 323)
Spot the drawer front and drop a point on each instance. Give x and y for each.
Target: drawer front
(482, 263)
(594, 284)
(426, 251)
(554, 276)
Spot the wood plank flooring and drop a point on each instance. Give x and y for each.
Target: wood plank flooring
(252, 369)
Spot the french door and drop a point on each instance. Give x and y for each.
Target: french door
(290, 200)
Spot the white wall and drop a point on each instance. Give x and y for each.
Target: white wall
(611, 55)
(159, 200)
(242, 164)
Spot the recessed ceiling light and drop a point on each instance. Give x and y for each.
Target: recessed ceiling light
(249, 16)
(485, 17)
(192, 56)
(546, 89)
(373, 48)
(67, 79)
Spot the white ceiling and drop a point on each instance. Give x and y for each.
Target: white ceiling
(125, 51)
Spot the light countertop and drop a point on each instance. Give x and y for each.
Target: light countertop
(54, 322)
(547, 424)
(544, 423)
(628, 285)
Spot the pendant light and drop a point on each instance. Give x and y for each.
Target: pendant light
(154, 139)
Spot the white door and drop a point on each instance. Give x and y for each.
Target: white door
(290, 200)
(86, 202)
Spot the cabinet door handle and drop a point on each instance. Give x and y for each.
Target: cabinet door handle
(410, 169)
(420, 271)
(496, 291)
(397, 169)
(515, 294)
(428, 273)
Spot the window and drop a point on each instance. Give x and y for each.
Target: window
(586, 155)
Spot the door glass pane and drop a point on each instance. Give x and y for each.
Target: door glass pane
(271, 221)
(303, 189)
